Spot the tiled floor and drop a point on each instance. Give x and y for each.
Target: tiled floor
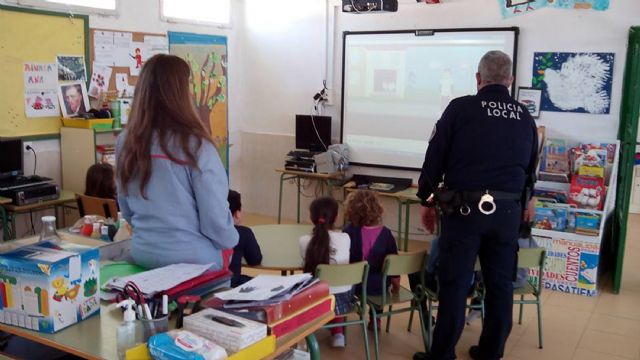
(575, 327)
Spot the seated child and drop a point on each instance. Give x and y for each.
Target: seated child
(247, 244)
(370, 240)
(101, 181)
(325, 246)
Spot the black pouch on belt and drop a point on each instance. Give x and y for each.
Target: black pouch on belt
(449, 201)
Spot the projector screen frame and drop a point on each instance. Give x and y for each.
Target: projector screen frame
(417, 32)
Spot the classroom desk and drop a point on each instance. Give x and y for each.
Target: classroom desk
(329, 179)
(95, 338)
(279, 244)
(404, 198)
(10, 211)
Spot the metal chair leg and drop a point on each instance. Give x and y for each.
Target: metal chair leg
(376, 340)
(539, 323)
(521, 310)
(410, 321)
(389, 318)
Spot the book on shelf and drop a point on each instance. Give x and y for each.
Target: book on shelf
(551, 216)
(547, 194)
(587, 192)
(587, 224)
(555, 157)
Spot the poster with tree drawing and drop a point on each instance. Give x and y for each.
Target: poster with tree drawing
(574, 82)
(207, 57)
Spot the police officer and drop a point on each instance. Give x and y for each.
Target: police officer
(484, 149)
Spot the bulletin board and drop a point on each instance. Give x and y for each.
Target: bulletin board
(136, 37)
(28, 35)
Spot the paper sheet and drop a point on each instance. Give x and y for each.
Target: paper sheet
(122, 81)
(41, 103)
(99, 80)
(263, 287)
(156, 44)
(161, 279)
(40, 76)
(121, 45)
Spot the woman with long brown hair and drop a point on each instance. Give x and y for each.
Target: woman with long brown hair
(172, 187)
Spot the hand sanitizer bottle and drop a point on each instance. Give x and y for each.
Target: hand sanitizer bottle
(128, 333)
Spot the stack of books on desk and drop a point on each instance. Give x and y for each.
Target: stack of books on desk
(294, 306)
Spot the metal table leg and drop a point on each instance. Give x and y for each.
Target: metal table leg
(280, 198)
(313, 347)
(406, 225)
(298, 214)
(399, 239)
(5, 224)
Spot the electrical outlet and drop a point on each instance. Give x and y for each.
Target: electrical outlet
(26, 145)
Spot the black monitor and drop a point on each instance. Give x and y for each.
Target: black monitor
(313, 132)
(11, 160)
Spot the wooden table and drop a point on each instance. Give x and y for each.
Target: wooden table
(280, 246)
(329, 179)
(404, 198)
(9, 211)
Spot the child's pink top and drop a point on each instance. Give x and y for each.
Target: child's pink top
(369, 236)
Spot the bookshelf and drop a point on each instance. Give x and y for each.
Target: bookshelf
(573, 258)
(78, 151)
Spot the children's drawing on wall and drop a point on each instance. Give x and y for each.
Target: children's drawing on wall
(41, 103)
(71, 68)
(207, 57)
(99, 80)
(600, 5)
(138, 54)
(511, 8)
(40, 83)
(574, 82)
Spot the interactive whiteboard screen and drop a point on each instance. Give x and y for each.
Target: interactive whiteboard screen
(396, 85)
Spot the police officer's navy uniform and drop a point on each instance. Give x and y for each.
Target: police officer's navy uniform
(483, 143)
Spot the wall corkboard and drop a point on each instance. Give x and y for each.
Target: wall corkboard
(136, 37)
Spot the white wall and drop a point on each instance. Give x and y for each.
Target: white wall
(283, 52)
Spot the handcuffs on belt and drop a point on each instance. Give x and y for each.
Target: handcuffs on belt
(485, 199)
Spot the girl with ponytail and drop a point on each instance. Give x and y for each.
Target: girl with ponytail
(325, 246)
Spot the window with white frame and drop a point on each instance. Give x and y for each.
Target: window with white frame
(214, 12)
(105, 7)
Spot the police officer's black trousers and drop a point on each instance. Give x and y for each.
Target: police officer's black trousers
(494, 239)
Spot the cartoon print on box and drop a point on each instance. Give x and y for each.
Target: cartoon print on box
(43, 286)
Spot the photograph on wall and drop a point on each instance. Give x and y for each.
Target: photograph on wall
(574, 82)
(41, 103)
(530, 98)
(510, 8)
(207, 57)
(71, 68)
(73, 99)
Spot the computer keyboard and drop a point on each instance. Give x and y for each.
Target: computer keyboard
(301, 154)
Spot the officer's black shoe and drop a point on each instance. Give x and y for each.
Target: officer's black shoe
(474, 352)
(422, 356)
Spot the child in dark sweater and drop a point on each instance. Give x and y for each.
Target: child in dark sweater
(247, 244)
(370, 240)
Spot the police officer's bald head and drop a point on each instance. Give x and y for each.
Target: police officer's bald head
(495, 67)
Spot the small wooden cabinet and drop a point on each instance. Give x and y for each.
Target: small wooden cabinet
(78, 151)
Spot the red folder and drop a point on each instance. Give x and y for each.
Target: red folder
(273, 313)
(207, 277)
(303, 317)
